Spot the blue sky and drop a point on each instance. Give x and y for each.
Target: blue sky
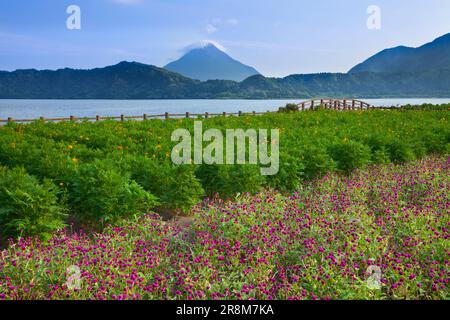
(277, 37)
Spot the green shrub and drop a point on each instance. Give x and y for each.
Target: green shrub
(228, 180)
(400, 152)
(183, 189)
(100, 193)
(378, 145)
(350, 155)
(175, 186)
(381, 156)
(419, 149)
(290, 107)
(427, 107)
(377, 142)
(42, 158)
(27, 207)
(434, 143)
(317, 162)
(290, 174)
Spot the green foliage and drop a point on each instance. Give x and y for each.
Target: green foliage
(317, 162)
(290, 175)
(99, 192)
(175, 186)
(290, 107)
(350, 155)
(27, 207)
(400, 151)
(381, 155)
(434, 142)
(108, 169)
(427, 106)
(228, 180)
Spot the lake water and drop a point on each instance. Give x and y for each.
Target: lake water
(31, 109)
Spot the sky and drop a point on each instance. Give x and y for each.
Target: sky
(277, 37)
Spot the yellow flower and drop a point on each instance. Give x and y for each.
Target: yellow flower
(70, 146)
(74, 160)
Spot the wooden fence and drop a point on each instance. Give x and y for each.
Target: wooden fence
(333, 104)
(145, 116)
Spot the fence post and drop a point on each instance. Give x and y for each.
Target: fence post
(144, 116)
(312, 104)
(166, 115)
(240, 113)
(10, 119)
(72, 118)
(254, 113)
(353, 104)
(122, 117)
(303, 106)
(187, 115)
(224, 114)
(206, 115)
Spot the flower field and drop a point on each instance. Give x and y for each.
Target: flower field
(97, 174)
(379, 233)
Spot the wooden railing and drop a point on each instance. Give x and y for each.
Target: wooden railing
(334, 104)
(145, 116)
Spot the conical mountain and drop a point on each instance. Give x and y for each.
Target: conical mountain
(208, 62)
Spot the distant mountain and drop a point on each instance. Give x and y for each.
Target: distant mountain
(431, 56)
(132, 80)
(126, 80)
(208, 62)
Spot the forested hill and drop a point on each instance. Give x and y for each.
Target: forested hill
(432, 56)
(132, 80)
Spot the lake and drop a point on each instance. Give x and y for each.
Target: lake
(31, 109)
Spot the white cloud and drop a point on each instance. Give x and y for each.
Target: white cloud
(203, 44)
(210, 28)
(198, 45)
